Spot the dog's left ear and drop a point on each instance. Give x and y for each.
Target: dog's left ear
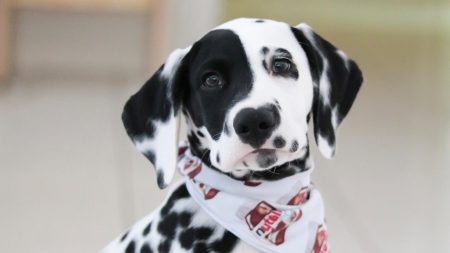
(151, 116)
(337, 80)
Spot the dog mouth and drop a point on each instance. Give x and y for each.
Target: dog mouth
(263, 157)
(274, 163)
(266, 158)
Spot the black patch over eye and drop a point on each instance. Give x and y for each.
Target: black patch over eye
(281, 66)
(212, 80)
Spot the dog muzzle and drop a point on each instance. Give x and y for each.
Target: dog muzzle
(285, 215)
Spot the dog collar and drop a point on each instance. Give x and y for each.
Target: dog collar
(285, 215)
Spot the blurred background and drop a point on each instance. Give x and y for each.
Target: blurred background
(71, 181)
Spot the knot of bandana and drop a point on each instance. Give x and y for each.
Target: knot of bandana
(282, 216)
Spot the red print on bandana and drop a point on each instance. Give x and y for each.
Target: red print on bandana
(321, 244)
(270, 223)
(252, 183)
(300, 197)
(192, 168)
(208, 192)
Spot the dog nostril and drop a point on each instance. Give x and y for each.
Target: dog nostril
(264, 125)
(242, 130)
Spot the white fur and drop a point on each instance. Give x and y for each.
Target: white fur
(326, 150)
(173, 61)
(163, 145)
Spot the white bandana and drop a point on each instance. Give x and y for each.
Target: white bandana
(285, 215)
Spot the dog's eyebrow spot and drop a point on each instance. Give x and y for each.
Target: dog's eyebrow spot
(294, 146)
(279, 142)
(245, 163)
(283, 53)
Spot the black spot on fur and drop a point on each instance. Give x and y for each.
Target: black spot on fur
(264, 50)
(259, 21)
(186, 238)
(218, 158)
(160, 178)
(200, 248)
(245, 163)
(279, 142)
(203, 233)
(200, 134)
(180, 193)
(146, 249)
(294, 146)
(164, 246)
(194, 142)
(167, 226)
(185, 219)
(147, 229)
(124, 236)
(130, 248)
(226, 244)
(150, 156)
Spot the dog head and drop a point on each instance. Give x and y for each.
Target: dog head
(247, 89)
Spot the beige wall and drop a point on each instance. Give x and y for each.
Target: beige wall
(70, 179)
(5, 42)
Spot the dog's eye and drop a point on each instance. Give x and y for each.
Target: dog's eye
(212, 80)
(280, 66)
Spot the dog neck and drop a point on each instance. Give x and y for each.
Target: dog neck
(285, 215)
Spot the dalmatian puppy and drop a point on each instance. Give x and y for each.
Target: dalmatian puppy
(248, 89)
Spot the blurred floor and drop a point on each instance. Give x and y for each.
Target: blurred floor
(70, 180)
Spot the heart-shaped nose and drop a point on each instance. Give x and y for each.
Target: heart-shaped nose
(254, 126)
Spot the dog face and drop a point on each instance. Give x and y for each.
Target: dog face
(247, 89)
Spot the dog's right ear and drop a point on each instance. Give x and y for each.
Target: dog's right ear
(337, 80)
(151, 116)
